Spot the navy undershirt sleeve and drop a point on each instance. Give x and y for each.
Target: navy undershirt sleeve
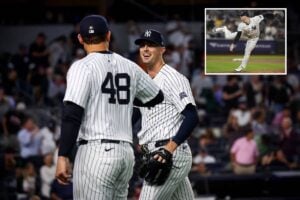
(156, 100)
(71, 121)
(237, 37)
(189, 122)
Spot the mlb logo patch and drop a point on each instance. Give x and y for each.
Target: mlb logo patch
(182, 95)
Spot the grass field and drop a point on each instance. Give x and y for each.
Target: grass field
(258, 64)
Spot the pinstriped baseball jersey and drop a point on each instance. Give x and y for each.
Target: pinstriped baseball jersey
(163, 121)
(251, 30)
(107, 84)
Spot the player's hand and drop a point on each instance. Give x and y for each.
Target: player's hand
(231, 47)
(162, 155)
(62, 174)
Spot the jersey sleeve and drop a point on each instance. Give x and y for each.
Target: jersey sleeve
(240, 27)
(258, 18)
(78, 84)
(146, 89)
(180, 93)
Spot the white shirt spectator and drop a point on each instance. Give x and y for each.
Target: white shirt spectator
(243, 116)
(48, 144)
(207, 159)
(47, 176)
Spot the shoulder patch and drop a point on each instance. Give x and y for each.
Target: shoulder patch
(182, 95)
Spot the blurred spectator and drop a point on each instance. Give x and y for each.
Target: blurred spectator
(174, 30)
(38, 51)
(56, 88)
(206, 138)
(20, 61)
(134, 32)
(29, 180)
(5, 104)
(203, 157)
(7, 173)
(279, 93)
(270, 31)
(231, 130)
(172, 56)
(254, 91)
(47, 173)
(186, 61)
(289, 141)
(30, 141)
(259, 125)
(278, 118)
(244, 153)
(47, 141)
(58, 53)
(231, 93)
(74, 43)
(242, 113)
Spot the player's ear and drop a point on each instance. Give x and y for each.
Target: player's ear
(79, 37)
(162, 50)
(108, 35)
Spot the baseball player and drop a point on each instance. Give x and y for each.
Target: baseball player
(97, 112)
(249, 27)
(166, 126)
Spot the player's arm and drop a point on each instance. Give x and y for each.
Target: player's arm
(156, 100)
(189, 122)
(236, 39)
(182, 98)
(71, 121)
(148, 94)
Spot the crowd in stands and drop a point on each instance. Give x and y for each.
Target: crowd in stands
(248, 124)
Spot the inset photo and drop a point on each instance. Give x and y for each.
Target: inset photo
(246, 41)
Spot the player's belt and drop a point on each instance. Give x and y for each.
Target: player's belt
(160, 143)
(155, 144)
(83, 142)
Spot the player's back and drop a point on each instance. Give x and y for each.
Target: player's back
(113, 84)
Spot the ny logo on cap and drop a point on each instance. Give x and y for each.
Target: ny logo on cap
(91, 29)
(147, 33)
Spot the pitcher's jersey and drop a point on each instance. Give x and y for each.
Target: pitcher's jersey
(105, 85)
(251, 30)
(163, 121)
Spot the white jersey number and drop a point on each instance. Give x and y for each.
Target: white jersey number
(115, 85)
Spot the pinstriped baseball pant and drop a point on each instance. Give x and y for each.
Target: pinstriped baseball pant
(102, 171)
(177, 186)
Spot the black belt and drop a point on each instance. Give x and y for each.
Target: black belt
(160, 143)
(83, 142)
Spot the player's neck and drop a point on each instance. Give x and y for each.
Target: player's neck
(154, 69)
(96, 47)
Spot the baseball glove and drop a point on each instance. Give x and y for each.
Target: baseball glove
(154, 171)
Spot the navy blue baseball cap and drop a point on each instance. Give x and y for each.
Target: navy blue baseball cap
(244, 13)
(152, 36)
(93, 25)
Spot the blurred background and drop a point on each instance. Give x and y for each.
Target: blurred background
(39, 43)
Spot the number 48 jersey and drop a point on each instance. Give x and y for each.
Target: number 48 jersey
(105, 85)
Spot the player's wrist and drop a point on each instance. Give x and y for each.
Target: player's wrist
(171, 146)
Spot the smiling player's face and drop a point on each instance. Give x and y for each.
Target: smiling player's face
(150, 53)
